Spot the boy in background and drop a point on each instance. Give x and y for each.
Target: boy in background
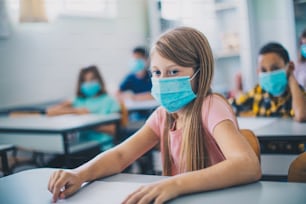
(277, 94)
(137, 84)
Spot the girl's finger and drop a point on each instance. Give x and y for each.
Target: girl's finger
(135, 196)
(53, 180)
(148, 197)
(59, 187)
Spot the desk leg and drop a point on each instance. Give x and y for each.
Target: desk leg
(66, 150)
(5, 167)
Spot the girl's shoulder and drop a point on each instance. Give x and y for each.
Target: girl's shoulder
(216, 109)
(215, 99)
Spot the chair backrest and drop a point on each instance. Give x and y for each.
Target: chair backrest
(297, 169)
(253, 141)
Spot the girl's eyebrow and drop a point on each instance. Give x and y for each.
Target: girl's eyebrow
(169, 66)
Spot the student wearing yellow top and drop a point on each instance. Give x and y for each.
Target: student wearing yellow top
(278, 93)
(202, 147)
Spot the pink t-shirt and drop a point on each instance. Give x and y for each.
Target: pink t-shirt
(219, 110)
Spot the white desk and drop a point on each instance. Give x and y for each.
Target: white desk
(275, 129)
(145, 105)
(30, 187)
(50, 134)
(271, 129)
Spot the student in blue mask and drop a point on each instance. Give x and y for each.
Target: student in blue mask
(300, 71)
(278, 93)
(201, 146)
(137, 84)
(91, 98)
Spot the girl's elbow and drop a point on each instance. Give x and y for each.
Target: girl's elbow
(300, 118)
(257, 174)
(254, 170)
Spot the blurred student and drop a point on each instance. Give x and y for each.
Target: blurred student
(91, 97)
(202, 147)
(300, 70)
(137, 84)
(278, 93)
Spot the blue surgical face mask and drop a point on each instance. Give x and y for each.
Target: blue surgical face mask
(274, 82)
(91, 88)
(303, 50)
(137, 65)
(173, 93)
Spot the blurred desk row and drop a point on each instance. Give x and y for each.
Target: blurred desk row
(29, 128)
(275, 166)
(51, 134)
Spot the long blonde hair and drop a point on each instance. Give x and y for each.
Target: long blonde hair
(188, 47)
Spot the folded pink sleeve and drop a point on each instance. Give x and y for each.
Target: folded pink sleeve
(215, 110)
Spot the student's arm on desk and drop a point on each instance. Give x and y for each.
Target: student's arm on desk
(241, 166)
(107, 163)
(109, 129)
(65, 108)
(298, 99)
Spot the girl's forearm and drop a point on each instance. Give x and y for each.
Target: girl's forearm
(101, 166)
(66, 110)
(219, 176)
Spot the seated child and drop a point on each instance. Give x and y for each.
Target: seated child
(278, 93)
(92, 98)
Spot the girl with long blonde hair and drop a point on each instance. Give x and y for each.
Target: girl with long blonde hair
(202, 148)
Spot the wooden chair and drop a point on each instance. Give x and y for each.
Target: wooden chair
(124, 115)
(297, 169)
(253, 141)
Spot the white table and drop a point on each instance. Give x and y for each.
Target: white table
(50, 134)
(145, 105)
(275, 129)
(30, 187)
(271, 129)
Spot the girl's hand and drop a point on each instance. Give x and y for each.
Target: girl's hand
(156, 193)
(63, 183)
(290, 69)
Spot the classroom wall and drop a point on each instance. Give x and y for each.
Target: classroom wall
(40, 61)
(274, 21)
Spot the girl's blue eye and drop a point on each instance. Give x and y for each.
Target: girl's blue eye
(173, 72)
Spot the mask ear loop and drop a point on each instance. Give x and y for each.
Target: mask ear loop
(194, 74)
